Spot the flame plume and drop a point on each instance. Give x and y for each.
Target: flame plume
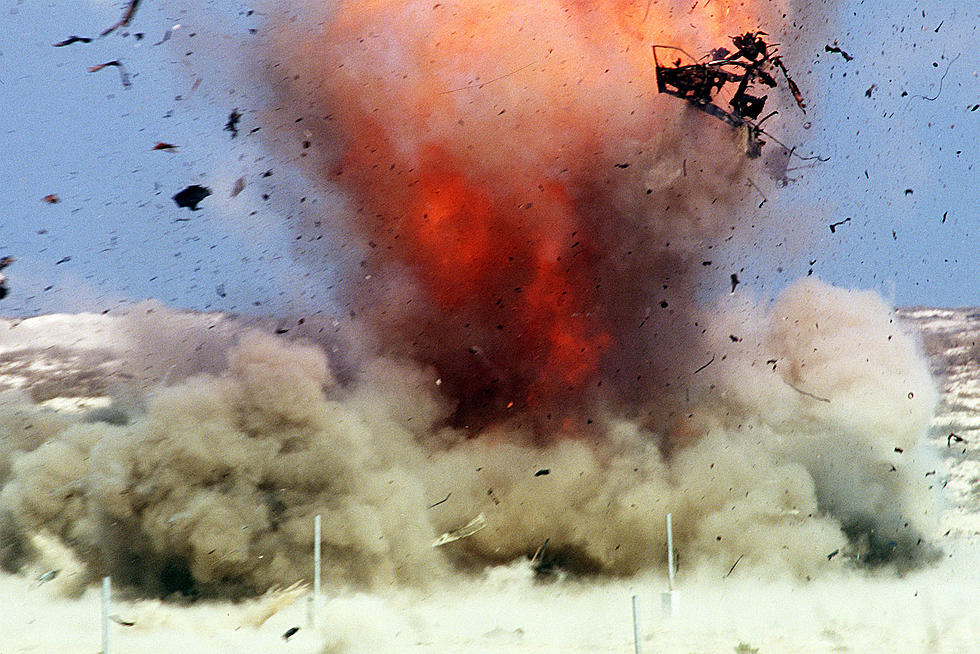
(534, 213)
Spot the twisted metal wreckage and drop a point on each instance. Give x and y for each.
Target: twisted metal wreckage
(700, 83)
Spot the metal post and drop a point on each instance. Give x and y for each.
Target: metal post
(636, 627)
(670, 600)
(106, 592)
(670, 554)
(316, 566)
(316, 557)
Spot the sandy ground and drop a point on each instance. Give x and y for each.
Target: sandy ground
(505, 610)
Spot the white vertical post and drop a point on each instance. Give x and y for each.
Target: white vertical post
(315, 600)
(670, 554)
(670, 600)
(316, 557)
(106, 592)
(636, 627)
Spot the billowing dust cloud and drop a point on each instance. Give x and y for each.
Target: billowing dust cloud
(543, 340)
(802, 433)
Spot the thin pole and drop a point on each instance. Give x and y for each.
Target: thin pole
(316, 566)
(316, 557)
(670, 554)
(636, 627)
(106, 592)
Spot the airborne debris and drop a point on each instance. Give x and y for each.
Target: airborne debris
(732, 569)
(72, 39)
(48, 576)
(122, 621)
(871, 88)
(542, 472)
(166, 35)
(432, 506)
(833, 554)
(168, 147)
(539, 563)
(290, 632)
(952, 438)
(191, 196)
(470, 528)
(941, 80)
(698, 83)
(232, 124)
(126, 17)
(807, 393)
(705, 365)
(836, 48)
(51, 198)
(834, 226)
(734, 279)
(123, 75)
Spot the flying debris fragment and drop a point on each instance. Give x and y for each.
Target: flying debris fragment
(539, 563)
(836, 49)
(167, 147)
(191, 196)
(51, 198)
(48, 576)
(123, 75)
(72, 39)
(700, 83)
(289, 633)
(232, 124)
(470, 528)
(122, 621)
(126, 18)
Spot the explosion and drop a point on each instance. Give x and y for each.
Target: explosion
(535, 214)
(534, 287)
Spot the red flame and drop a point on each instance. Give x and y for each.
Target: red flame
(515, 271)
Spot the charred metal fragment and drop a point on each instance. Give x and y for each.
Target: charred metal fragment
(700, 83)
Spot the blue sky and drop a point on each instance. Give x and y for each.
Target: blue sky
(116, 237)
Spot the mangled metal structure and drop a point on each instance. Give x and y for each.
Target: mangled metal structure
(701, 83)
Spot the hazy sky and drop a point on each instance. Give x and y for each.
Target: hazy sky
(903, 162)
